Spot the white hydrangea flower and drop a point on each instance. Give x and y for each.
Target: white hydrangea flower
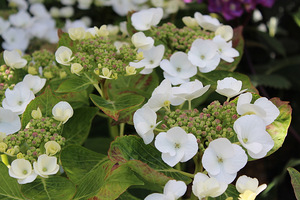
(15, 38)
(76, 68)
(207, 22)
(252, 134)
(21, 4)
(229, 87)
(21, 169)
(190, 90)
(140, 41)
(144, 19)
(62, 111)
(63, 55)
(9, 122)
(225, 49)
(173, 190)
(162, 96)
(39, 11)
(179, 69)
(18, 98)
(14, 59)
(190, 21)
(248, 186)
(34, 83)
(45, 166)
(66, 12)
(176, 145)
(4, 24)
(262, 107)
(203, 53)
(76, 33)
(52, 148)
(222, 160)
(22, 19)
(84, 4)
(205, 186)
(151, 60)
(225, 31)
(144, 120)
(123, 7)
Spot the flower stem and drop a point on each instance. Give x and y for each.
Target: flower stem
(113, 130)
(122, 126)
(95, 84)
(102, 115)
(190, 104)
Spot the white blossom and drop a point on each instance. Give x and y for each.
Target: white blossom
(144, 19)
(173, 190)
(144, 120)
(225, 49)
(262, 107)
(248, 186)
(151, 60)
(205, 186)
(18, 98)
(139, 40)
(225, 31)
(63, 55)
(21, 169)
(252, 134)
(176, 145)
(22, 19)
(39, 11)
(9, 122)
(207, 22)
(62, 111)
(14, 59)
(45, 166)
(179, 69)
(4, 24)
(222, 160)
(15, 38)
(203, 53)
(34, 83)
(229, 87)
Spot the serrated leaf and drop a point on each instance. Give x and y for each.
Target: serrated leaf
(279, 128)
(295, 176)
(238, 44)
(273, 80)
(124, 103)
(74, 84)
(272, 42)
(77, 129)
(54, 188)
(9, 187)
(145, 160)
(46, 101)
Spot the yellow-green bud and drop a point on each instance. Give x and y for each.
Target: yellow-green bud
(76, 68)
(48, 75)
(3, 147)
(36, 114)
(32, 70)
(190, 21)
(130, 70)
(52, 148)
(76, 33)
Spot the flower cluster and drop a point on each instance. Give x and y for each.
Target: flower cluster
(233, 9)
(220, 134)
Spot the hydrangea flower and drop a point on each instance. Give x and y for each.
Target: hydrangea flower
(207, 22)
(248, 187)
(225, 31)
(14, 59)
(9, 121)
(152, 58)
(34, 83)
(46, 165)
(252, 134)
(144, 19)
(179, 69)
(262, 107)
(18, 98)
(203, 54)
(144, 120)
(229, 87)
(21, 169)
(140, 41)
(225, 49)
(176, 145)
(173, 190)
(222, 160)
(205, 186)
(63, 55)
(62, 111)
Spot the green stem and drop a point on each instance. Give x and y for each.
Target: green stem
(113, 130)
(198, 166)
(122, 126)
(95, 84)
(102, 114)
(160, 130)
(179, 171)
(190, 104)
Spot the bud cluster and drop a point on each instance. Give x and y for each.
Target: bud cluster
(43, 61)
(102, 57)
(178, 39)
(29, 143)
(213, 122)
(6, 80)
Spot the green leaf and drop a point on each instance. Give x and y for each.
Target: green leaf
(145, 160)
(211, 79)
(45, 102)
(296, 17)
(272, 42)
(9, 187)
(74, 84)
(272, 80)
(137, 84)
(65, 40)
(238, 44)
(126, 196)
(95, 175)
(230, 192)
(92, 143)
(279, 128)
(54, 188)
(295, 176)
(125, 103)
(77, 129)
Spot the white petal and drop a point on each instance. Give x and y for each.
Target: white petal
(190, 148)
(210, 161)
(9, 122)
(177, 188)
(272, 112)
(155, 196)
(237, 162)
(164, 145)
